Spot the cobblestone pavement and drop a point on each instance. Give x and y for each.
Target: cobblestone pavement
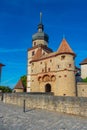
(13, 118)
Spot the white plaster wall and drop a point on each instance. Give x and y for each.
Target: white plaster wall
(83, 71)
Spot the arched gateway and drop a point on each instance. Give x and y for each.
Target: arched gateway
(48, 88)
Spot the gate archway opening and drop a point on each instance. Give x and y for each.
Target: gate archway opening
(47, 88)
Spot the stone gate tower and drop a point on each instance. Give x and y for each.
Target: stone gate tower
(48, 71)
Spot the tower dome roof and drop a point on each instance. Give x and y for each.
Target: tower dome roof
(40, 34)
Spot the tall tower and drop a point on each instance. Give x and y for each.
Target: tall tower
(39, 42)
(65, 85)
(84, 69)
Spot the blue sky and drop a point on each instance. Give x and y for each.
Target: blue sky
(19, 20)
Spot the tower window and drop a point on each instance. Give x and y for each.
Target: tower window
(42, 70)
(59, 76)
(50, 60)
(48, 69)
(34, 43)
(40, 62)
(62, 57)
(65, 75)
(70, 65)
(58, 66)
(33, 53)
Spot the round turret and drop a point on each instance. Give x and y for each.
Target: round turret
(66, 71)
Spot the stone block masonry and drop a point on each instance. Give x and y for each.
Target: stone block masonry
(70, 105)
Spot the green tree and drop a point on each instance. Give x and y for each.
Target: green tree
(5, 89)
(24, 81)
(85, 80)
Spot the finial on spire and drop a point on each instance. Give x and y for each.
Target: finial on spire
(40, 17)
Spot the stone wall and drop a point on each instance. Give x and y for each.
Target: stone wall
(71, 105)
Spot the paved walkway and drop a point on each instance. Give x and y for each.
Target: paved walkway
(13, 118)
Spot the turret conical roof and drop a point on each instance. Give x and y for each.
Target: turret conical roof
(64, 48)
(19, 85)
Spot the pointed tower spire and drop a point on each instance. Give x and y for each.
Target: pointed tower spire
(40, 26)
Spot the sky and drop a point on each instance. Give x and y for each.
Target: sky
(18, 22)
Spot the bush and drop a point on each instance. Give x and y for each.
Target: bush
(5, 89)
